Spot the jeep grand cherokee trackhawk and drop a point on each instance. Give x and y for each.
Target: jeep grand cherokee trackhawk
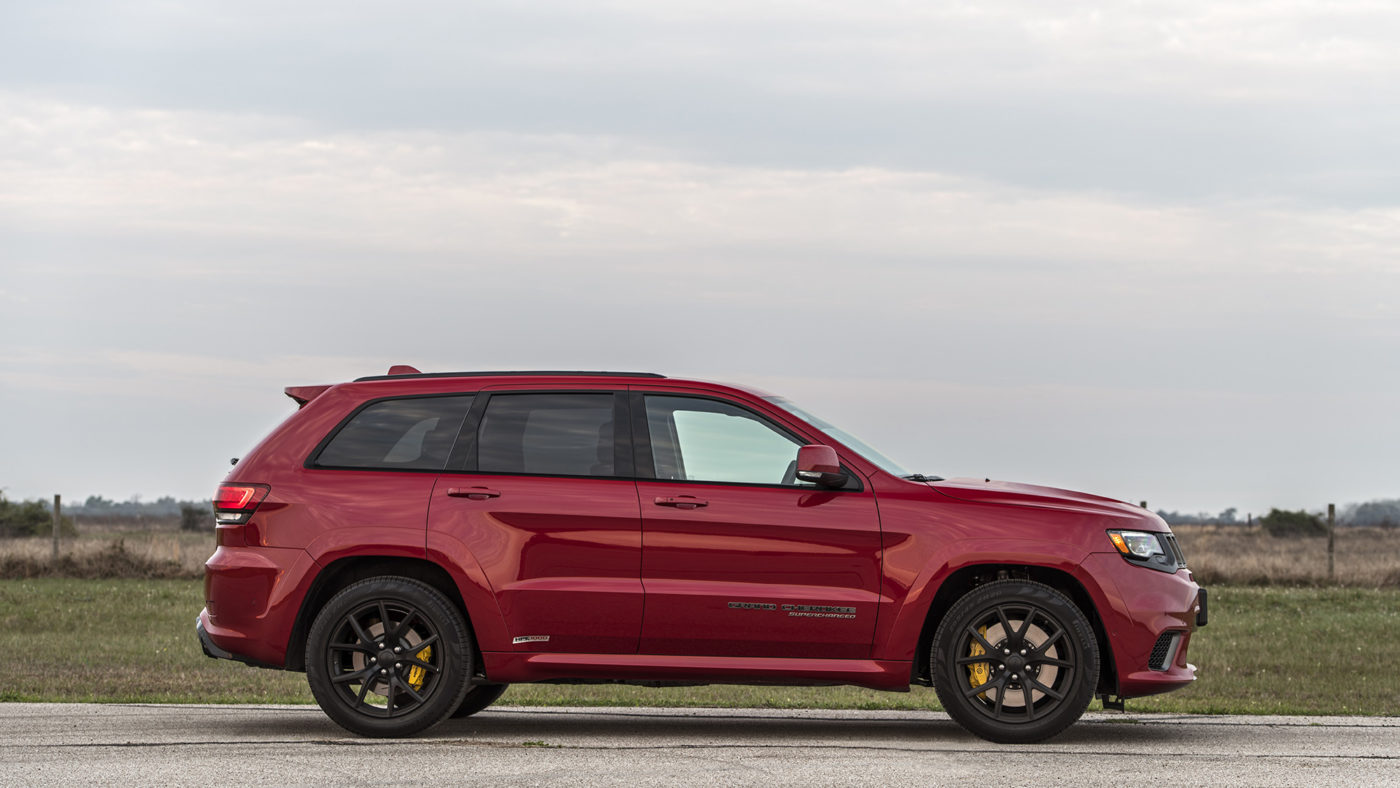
(416, 542)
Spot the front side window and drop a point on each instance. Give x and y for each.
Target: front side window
(413, 434)
(552, 434)
(706, 440)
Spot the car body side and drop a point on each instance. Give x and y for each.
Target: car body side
(320, 529)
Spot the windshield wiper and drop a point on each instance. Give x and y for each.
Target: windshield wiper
(919, 477)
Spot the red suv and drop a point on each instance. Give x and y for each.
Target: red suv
(416, 542)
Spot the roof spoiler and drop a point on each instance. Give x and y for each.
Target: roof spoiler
(304, 394)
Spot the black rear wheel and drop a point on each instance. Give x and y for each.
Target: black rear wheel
(388, 656)
(1015, 661)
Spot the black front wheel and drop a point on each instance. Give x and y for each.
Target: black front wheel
(1015, 661)
(388, 656)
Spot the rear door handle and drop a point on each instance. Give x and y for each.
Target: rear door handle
(681, 501)
(474, 493)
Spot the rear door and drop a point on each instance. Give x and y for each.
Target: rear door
(540, 492)
(738, 559)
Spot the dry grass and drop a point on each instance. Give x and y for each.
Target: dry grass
(109, 553)
(1241, 556)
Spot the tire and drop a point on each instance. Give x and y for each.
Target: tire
(478, 698)
(371, 623)
(1028, 648)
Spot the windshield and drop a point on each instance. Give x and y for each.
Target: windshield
(886, 464)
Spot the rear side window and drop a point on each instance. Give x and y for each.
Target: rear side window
(553, 434)
(398, 434)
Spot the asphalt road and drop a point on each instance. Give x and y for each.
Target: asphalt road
(65, 744)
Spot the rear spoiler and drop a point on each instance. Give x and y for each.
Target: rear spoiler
(304, 394)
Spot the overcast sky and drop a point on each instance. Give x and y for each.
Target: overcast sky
(1150, 251)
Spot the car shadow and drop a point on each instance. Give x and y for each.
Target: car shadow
(574, 727)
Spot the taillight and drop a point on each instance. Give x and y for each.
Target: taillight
(235, 503)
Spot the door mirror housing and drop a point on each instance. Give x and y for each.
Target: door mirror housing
(819, 465)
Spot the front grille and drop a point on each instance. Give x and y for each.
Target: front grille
(1163, 651)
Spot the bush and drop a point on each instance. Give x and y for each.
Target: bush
(1279, 522)
(194, 517)
(30, 518)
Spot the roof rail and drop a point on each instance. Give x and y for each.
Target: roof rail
(506, 373)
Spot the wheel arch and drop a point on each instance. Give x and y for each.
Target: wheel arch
(964, 579)
(344, 571)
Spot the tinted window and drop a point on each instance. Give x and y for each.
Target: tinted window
(556, 434)
(705, 440)
(413, 434)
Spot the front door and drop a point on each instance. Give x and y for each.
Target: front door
(739, 559)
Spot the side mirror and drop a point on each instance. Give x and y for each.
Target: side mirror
(820, 465)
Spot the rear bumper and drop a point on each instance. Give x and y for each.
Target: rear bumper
(251, 597)
(206, 643)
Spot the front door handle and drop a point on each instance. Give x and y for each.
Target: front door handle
(681, 501)
(474, 493)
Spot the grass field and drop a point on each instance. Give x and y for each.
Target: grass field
(1266, 651)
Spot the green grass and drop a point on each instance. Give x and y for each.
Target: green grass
(1266, 651)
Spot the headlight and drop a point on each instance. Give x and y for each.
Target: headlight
(1152, 550)
(1136, 544)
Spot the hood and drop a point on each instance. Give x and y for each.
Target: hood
(1015, 494)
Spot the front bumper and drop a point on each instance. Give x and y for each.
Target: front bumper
(1149, 617)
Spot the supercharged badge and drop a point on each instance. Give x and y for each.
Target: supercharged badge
(798, 611)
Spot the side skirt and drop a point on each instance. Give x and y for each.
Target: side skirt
(516, 667)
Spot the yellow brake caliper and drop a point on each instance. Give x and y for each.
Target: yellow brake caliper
(979, 672)
(416, 674)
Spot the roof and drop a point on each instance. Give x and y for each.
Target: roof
(509, 373)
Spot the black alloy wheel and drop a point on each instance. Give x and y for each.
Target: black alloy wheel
(388, 656)
(1015, 661)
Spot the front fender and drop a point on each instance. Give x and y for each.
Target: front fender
(898, 632)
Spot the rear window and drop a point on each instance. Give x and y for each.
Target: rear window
(553, 434)
(398, 434)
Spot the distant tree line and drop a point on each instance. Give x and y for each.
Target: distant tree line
(1372, 514)
(35, 518)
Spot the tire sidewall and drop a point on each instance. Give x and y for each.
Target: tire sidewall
(457, 656)
(948, 680)
(478, 698)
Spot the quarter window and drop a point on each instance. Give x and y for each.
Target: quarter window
(401, 434)
(707, 440)
(553, 434)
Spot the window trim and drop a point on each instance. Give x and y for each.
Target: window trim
(311, 462)
(465, 456)
(645, 462)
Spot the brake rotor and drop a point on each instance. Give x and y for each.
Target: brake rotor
(416, 675)
(981, 672)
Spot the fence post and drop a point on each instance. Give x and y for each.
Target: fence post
(1331, 541)
(57, 521)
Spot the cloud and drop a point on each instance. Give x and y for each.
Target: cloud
(1194, 99)
(1132, 229)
